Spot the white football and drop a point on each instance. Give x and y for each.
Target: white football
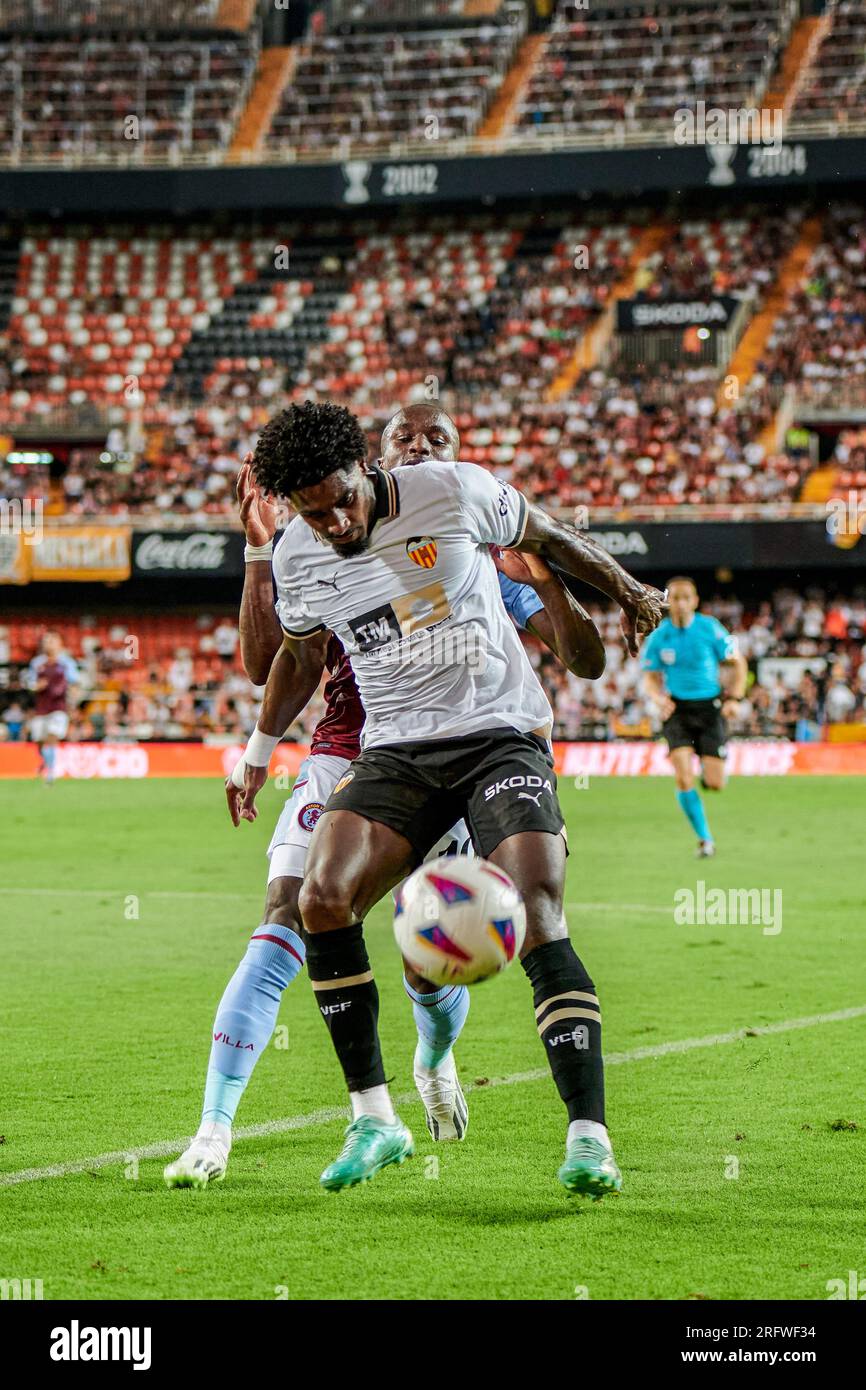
(458, 921)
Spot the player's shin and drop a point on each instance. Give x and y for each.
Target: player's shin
(693, 808)
(569, 1025)
(568, 1019)
(439, 1019)
(348, 1000)
(246, 1016)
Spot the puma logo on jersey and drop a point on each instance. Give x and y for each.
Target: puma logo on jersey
(328, 583)
(514, 783)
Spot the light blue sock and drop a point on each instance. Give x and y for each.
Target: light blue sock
(439, 1018)
(49, 755)
(247, 1014)
(694, 809)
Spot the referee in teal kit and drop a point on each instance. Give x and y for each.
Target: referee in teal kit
(682, 661)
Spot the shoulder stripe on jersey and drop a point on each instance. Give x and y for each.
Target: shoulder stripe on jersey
(393, 497)
(522, 520)
(387, 495)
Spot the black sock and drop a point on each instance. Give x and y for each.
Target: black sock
(569, 1025)
(348, 1000)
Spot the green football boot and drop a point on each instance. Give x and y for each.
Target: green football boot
(370, 1144)
(589, 1169)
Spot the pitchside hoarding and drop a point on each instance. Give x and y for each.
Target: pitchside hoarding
(640, 546)
(582, 761)
(163, 554)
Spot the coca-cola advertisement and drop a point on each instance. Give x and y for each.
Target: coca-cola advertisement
(163, 553)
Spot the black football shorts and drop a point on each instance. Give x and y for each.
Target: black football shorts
(697, 724)
(500, 782)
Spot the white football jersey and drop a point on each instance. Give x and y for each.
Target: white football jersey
(419, 613)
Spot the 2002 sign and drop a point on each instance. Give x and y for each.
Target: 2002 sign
(409, 180)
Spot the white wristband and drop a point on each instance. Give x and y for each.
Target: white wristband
(237, 775)
(259, 552)
(260, 748)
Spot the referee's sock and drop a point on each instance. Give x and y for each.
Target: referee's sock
(693, 808)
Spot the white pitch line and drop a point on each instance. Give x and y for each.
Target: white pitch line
(166, 1147)
(256, 894)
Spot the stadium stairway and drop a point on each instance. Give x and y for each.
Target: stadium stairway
(795, 61)
(235, 14)
(502, 114)
(276, 66)
(229, 334)
(592, 344)
(819, 485)
(751, 346)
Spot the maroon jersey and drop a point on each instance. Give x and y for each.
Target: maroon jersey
(53, 695)
(339, 730)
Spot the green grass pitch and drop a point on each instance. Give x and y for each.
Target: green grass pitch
(125, 907)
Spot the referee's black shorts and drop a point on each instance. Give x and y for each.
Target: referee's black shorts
(500, 782)
(697, 724)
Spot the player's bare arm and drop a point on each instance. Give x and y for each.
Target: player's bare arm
(292, 681)
(576, 554)
(260, 631)
(562, 625)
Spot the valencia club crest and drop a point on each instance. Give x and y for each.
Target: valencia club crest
(422, 550)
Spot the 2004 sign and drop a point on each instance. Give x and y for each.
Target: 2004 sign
(776, 161)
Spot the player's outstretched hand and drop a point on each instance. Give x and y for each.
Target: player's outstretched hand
(254, 780)
(521, 566)
(642, 616)
(233, 799)
(258, 513)
(243, 785)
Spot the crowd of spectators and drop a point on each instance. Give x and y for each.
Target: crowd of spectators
(369, 89)
(834, 88)
(819, 339)
(807, 669)
(806, 653)
(135, 99)
(606, 69)
(105, 14)
(485, 316)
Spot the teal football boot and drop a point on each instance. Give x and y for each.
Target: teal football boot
(370, 1144)
(589, 1169)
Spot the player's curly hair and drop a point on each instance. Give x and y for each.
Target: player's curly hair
(303, 445)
